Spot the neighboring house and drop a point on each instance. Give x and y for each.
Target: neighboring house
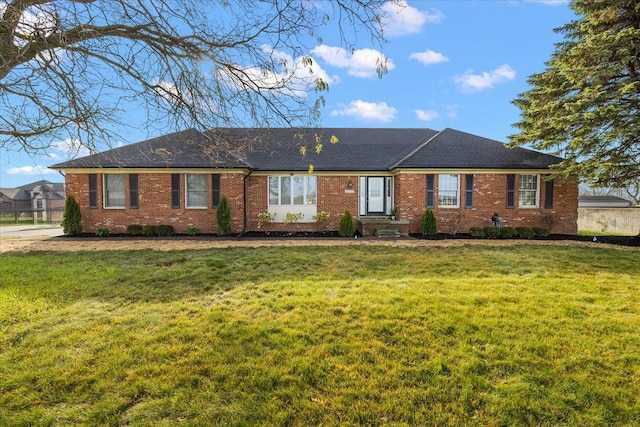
(178, 179)
(40, 195)
(602, 202)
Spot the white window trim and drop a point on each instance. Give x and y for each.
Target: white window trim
(280, 211)
(457, 205)
(186, 192)
(104, 191)
(537, 203)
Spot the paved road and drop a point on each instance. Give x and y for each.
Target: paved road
(29, 232)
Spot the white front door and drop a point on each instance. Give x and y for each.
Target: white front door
(375, 195)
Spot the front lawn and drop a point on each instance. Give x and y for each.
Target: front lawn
(350, 335)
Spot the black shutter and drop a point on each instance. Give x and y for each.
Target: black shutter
(548, 194)
(511, 191)
(175, 191)
(133, 191)
(215, 190)
(468, 194)
(430, 181)
(93, 191)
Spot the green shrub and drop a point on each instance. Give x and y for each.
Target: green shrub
(428, 226)
(541, 231)
(477, 232)
(525, 233)
(102, 232)
(149, 230)
(491, 232)
(165, 230)
(508, 232)
(347, 227)
(223, 218)
(72, 219)
(134, 229)
(192, 231)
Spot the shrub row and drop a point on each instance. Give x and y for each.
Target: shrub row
(150, 230)
(508, 232)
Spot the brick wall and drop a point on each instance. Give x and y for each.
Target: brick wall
(489, 196)
(154, 200)
(334, 196)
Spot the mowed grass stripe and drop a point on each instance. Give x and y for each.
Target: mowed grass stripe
(475, 335)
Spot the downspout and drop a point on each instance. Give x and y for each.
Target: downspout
(244, 200)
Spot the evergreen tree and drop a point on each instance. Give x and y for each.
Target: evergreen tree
(347, 227)
(428, 226)
(585, 106)
(223, 218)
(72, 218)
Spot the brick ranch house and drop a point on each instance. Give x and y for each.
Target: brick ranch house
(178, 179)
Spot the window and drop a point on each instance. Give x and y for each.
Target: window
(114, 190)
(468, 193)
(215, 190)
(93, 191)
(430, 202)
(175, 191)
(133, 191)
(528, 191)
(511, 191)
(196, 190)
(292, 190)
(448, 189)
(548, 194)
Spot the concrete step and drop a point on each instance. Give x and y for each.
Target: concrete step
(388, 232)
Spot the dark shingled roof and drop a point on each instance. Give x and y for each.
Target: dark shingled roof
(364, 149)
(454, 149)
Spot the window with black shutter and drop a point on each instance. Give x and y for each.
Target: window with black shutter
(133, 191)
(511, 191)
(175, 191)
(93, 191)
(468, 193)
(430, 192)
(215, 190)
(548, 194)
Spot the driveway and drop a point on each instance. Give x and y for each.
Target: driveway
(29, 232)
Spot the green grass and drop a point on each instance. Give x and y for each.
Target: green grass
(356, 335)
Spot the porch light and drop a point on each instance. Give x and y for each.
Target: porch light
(350, 184)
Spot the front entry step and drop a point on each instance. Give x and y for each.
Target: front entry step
(388, 232)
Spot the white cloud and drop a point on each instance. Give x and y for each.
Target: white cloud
(471, 83)
(70, 148)
(37, 170)
(361, 63)
(398, 18)
(429, 57)
(426, 115)
(295, 76)
(367, 111)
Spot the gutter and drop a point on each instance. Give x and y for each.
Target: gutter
(244, 202)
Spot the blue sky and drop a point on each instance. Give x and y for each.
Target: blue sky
(455, 63)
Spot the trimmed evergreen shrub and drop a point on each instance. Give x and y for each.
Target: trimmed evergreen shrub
(134, 230)
(149, 230)
(541, 231)
(477, 232)
(347, 227)
(525, 233)
(491, 232)
(508, 232)
(72, 219)
(102, 232)
(165, 230)
(428, 226)
(223, 217)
